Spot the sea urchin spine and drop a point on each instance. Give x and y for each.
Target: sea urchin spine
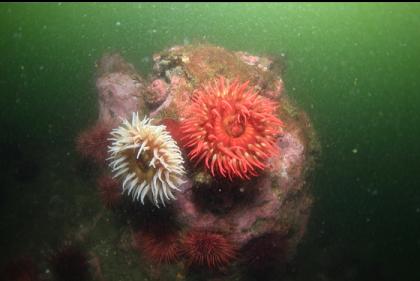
(158, 248)
(211, 250)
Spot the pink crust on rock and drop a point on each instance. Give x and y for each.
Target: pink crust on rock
(119, 96)
(231, 128)
(157, 92)
(241, 224)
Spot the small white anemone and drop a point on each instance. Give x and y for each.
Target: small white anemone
(146, 159)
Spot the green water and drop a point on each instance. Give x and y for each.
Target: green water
(355, 68)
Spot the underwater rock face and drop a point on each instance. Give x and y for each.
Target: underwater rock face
(120, 89)
(271, 206)
(156, 93)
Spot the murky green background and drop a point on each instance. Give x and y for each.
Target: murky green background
(354, 67)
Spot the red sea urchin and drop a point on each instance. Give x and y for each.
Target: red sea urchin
(20, 269)
(162, 248)
(211, 250)
(92, 143)
(231, 128)
(109, 191)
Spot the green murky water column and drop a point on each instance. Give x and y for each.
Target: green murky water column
(354, 67)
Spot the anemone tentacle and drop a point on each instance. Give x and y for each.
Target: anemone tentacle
(147, 160)
(231, 128)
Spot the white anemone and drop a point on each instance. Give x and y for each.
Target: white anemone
(146, 159)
